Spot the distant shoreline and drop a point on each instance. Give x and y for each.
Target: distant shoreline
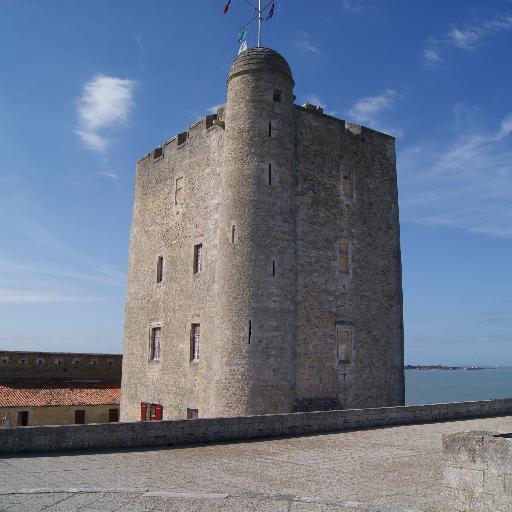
(441, 367)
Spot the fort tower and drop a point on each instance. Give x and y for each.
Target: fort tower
(264, 269)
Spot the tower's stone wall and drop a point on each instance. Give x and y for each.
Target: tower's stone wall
(266, 203)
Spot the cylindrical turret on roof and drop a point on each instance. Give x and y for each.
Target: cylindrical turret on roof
(256, 268)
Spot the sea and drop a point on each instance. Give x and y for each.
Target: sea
(441, 386)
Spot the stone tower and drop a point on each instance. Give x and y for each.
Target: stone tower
(264, 269)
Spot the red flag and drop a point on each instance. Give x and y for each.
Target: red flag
(226, 7)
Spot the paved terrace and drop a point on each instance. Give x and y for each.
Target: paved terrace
(392, 469)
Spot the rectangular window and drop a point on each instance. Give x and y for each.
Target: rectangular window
(192, 414)
(80, 416)
(250, 332)
(270, 129)
(195, 338)
(270, 174)
(343, 344)
(277, 95)
(344, 256)
(198, 258)
(178, 192)
(154, 344)
(160, 269)
(233, 228)
(113, 415)
(347, 184)
(22, 418)
(273, 268)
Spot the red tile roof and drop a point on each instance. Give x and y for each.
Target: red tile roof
(44, 394)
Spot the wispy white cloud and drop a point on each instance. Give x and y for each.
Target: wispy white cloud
(370, 109)
(25, 297)
(30, 272)
(315, 100)
(105, 102)
(468, 37)
(304, 42)
(352, 5)
(213, 109)
(111, 175)
(465, 183)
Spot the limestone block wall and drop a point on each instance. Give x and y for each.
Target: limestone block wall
(175, 207)
(368, 298)
(203, 430)
(478, 471)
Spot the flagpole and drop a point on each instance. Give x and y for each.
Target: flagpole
(259, 23)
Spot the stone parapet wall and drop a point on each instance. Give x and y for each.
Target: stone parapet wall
(478, 471)
(179, 432)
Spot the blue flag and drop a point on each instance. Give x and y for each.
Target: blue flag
(271, 12)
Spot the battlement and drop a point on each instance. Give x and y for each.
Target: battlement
(54, 366)
(211, 121)
(354, 129)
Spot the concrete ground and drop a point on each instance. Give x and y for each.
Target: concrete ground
(393, 469)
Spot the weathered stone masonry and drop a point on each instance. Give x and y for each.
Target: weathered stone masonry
(299, 297)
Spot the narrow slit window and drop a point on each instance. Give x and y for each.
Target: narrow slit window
(198, 258)
(348, 184)
(178, 192)
(344, 256)
(273, 268)
(270, 174)
(160, 269)
(233, 234)
(154, 344)
(195, 339)
(250, 332)
(270, 129)
(343, 344)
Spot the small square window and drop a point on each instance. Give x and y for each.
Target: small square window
(22, 361)
(198, 258)
(192, 414)
(277, 95)
(5, 360)
(154, 344)
(58, 362)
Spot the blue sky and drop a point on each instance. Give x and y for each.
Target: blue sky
(87, 88)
